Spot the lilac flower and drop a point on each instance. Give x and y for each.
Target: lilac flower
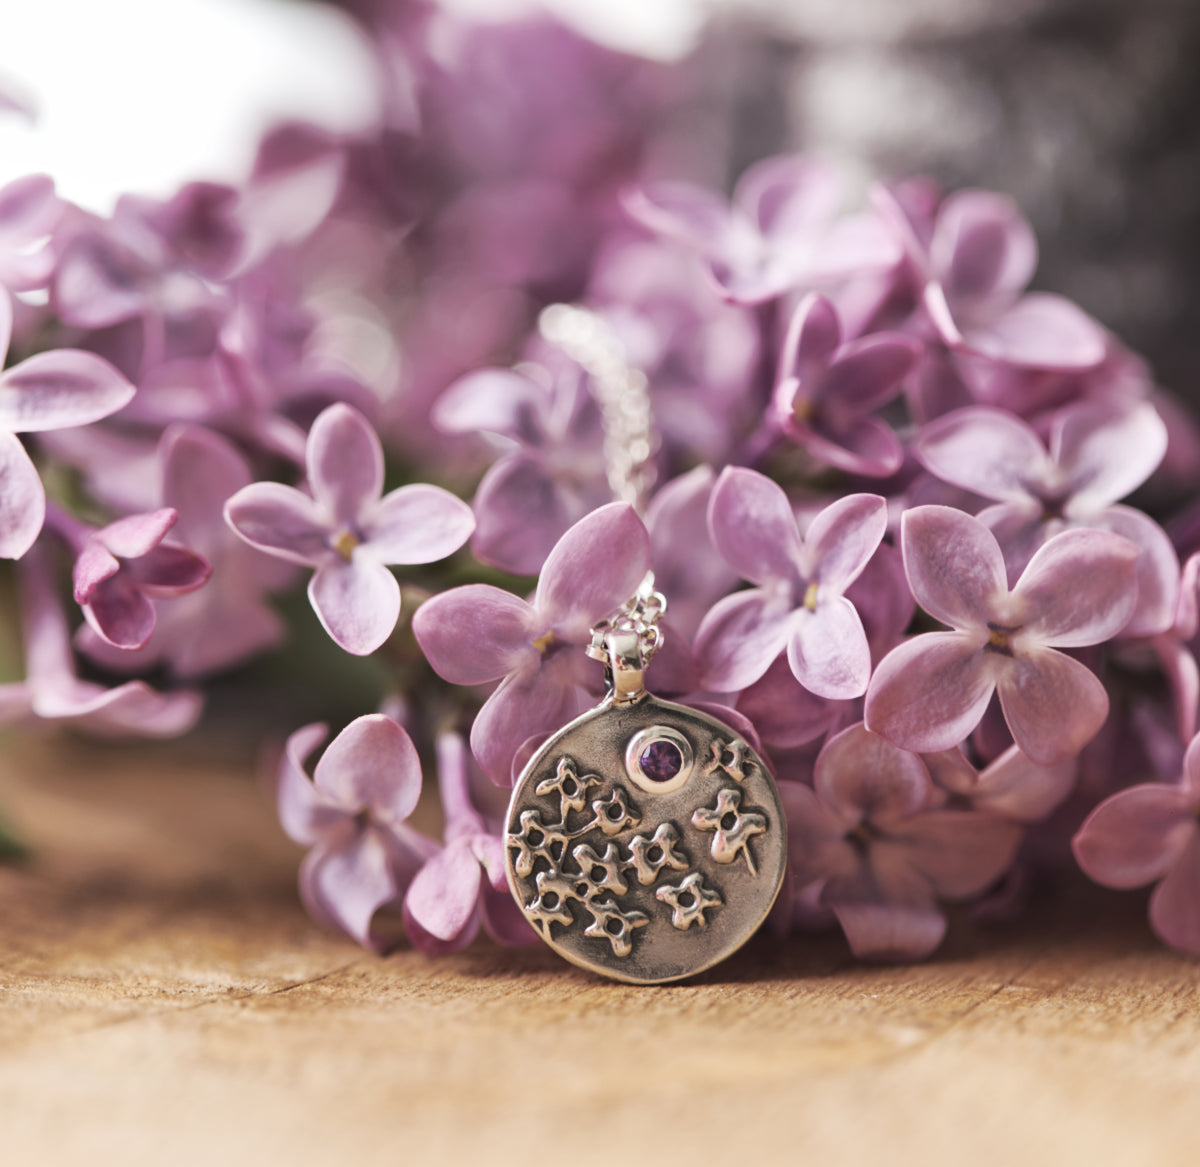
(977, 262)
(347, 531)
(1098, 452)
(873, 836)
(1151, 834)
(779, 233)
(1079, 589)
(799, 605)
(1012, 785)
(828, 391)
(51, 691)
(478, 633)
(351, 814)
(119, 569)
(227, 621)
(464, 885)
(50, 390)
(552, 473)
(29, 212)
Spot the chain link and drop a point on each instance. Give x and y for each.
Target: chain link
(621, 391)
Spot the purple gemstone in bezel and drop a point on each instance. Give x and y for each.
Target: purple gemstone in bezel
(661, 760)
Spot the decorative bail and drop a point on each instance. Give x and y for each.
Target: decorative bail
(625, 642)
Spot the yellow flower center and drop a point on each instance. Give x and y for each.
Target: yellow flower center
(344, 543)
(544, 642)
(810, 597)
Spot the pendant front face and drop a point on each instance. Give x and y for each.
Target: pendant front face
(646, 841)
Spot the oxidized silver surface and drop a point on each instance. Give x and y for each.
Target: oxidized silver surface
(638, 880)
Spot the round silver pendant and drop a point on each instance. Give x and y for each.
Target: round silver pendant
(646, 841)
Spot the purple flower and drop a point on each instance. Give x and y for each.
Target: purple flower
(873, 836)
(1012, 785)
(1151, 834)
(1079, 589)
(351, 814)
(51, 690)
(798, 605)
(48, 391)
(780, 232)
(122, 566)
(29, 212)
(476, 634)
(227, 621)
(828, 391)
(551, 474)
(465, 884)
(977, 262)
(347, 531)
(1098, 452)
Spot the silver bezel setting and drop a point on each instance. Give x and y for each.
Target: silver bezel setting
(636, 747)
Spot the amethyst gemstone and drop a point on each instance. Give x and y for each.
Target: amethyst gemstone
(660, 761)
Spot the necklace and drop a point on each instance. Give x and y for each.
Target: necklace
(645, 840)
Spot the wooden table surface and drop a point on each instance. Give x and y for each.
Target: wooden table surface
(164, 1000)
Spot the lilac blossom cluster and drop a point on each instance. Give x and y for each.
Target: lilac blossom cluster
(888, 513)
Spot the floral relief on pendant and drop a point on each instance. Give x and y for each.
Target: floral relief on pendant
(637, 824)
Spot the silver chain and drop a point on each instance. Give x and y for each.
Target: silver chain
(626, 640)
(621, 391)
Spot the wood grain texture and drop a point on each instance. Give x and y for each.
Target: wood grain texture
(164, 1000)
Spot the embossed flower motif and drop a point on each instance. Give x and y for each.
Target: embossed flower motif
(732, 828)
(689, 900)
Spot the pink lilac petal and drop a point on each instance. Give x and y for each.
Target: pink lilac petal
(954, 565)
(520, 513)
(1052, 704)
(522, 707)
(740, 637)
(60, 388)
(1041, 331)
(883, 600)
(788, 195)
(852, 246)
(930, 692)
(135, 535)
(169, 570)
(862, 776)
(859, 445)
(371, 765)
(842, 538)
(594, 568)
(987, 451)
(345, 463)
(504, 921)
(357, 602)
(982, 245)
(961, 852)
(304, 812)
(827, 649)
(1190, 780)
(22, 499)
(93, 566)
(6, 325)
(680, 211)
(347, 879)
(443, 898)
(868, 372)
(119, 612)
(1157, 572)
(493, 401)
(418, 523)
(1174, 910)
(132, 708)
(1080, 588)
(783, 711)
(1136, 836)
(279, 520)
(903, 928)
(477, 633)
(753, 526)
(817, 847)
(1108, 449)
(814, 334)
(1020, 789)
